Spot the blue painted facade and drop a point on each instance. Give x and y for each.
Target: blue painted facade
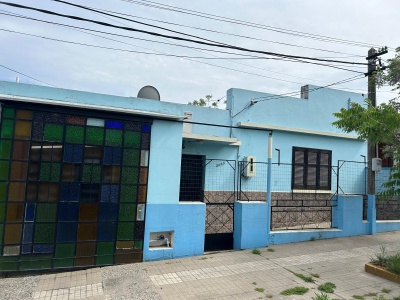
(242, 130)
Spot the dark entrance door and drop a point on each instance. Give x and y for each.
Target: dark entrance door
(211, 181)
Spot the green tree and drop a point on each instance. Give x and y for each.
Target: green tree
(379, 124)
(202, 102)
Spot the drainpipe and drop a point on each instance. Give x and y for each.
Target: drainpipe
(269, 179)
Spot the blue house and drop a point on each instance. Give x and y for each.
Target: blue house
(91, 180)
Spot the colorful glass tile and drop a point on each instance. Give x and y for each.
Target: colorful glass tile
(105, 253)
(53, 132)
(4, 167)
(146, 128)
(3, 191)
(88, 212)
(131, 157)
(129, 193)
(26, 249)
(87, 231)
(75, 120)
(108, 212)
(130, 175)
(30, 212)
(126, 231)
(7, 129)
(32, 191)
(33, 174)
(132, 139)
(111, 174)
(5, 149)
(144, 158)
(38, 116)
(43, 248)
(33, 263)
(11, 250)
(74, 134)
(73, 153)
(139, 230)
(145, 141)
(126, 256)
(2, 213)
(36, 151)
(95, 122)
(94, 136)
(112, 156)
(113, 137)
(64, 255)
(22, 130)
(48, 192)
(127, 212)
(51, 152)
(8, 112)
(133, 126)
(93, 154)
(68, 212)
(85, 254)
(15, 212)
(70, 192)
(46, 212)
(66, 232)
(140, 212)
(44, 233)
(143, 175)
(124, 245)
(70, 173)
(24, 114)
(50, 172)
(114, 124)
(54, 118)
(109, 193)
(16, 192)
(65, 250)
(106, 231)
(138, 245)
(37, 131)
(27, 235)
(91, 173)
(12, 234)
(19, 171)
(90, 192)
(20, 150)
(142, 194)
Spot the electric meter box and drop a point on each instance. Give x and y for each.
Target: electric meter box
(376, 164)
(250, 166)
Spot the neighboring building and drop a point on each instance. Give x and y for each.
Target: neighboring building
(89, 179)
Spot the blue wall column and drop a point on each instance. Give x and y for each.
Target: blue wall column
(347, 215)
(371, 214)
(251, 225)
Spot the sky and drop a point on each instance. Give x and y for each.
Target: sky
(178, 71)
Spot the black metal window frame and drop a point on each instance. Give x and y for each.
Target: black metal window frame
(311, 169)
(192, 178)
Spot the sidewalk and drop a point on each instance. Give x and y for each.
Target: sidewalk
(227, 275)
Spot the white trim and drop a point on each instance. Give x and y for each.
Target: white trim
(211, 138)
(313, 191)
(88, 106)
(297, 130)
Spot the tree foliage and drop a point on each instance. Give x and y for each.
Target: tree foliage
(208, 102)
(379, 124)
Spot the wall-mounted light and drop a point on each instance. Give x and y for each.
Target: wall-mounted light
(279, 156)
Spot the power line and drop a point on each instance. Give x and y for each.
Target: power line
(27, 76)
(179, 38)
(249, 24)
(232, 34)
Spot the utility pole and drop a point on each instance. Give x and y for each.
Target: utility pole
(372, 151)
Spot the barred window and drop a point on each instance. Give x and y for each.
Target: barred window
(311, 169)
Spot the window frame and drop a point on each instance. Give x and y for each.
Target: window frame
(307, 164)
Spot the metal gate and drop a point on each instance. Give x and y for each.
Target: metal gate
(219, 197)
